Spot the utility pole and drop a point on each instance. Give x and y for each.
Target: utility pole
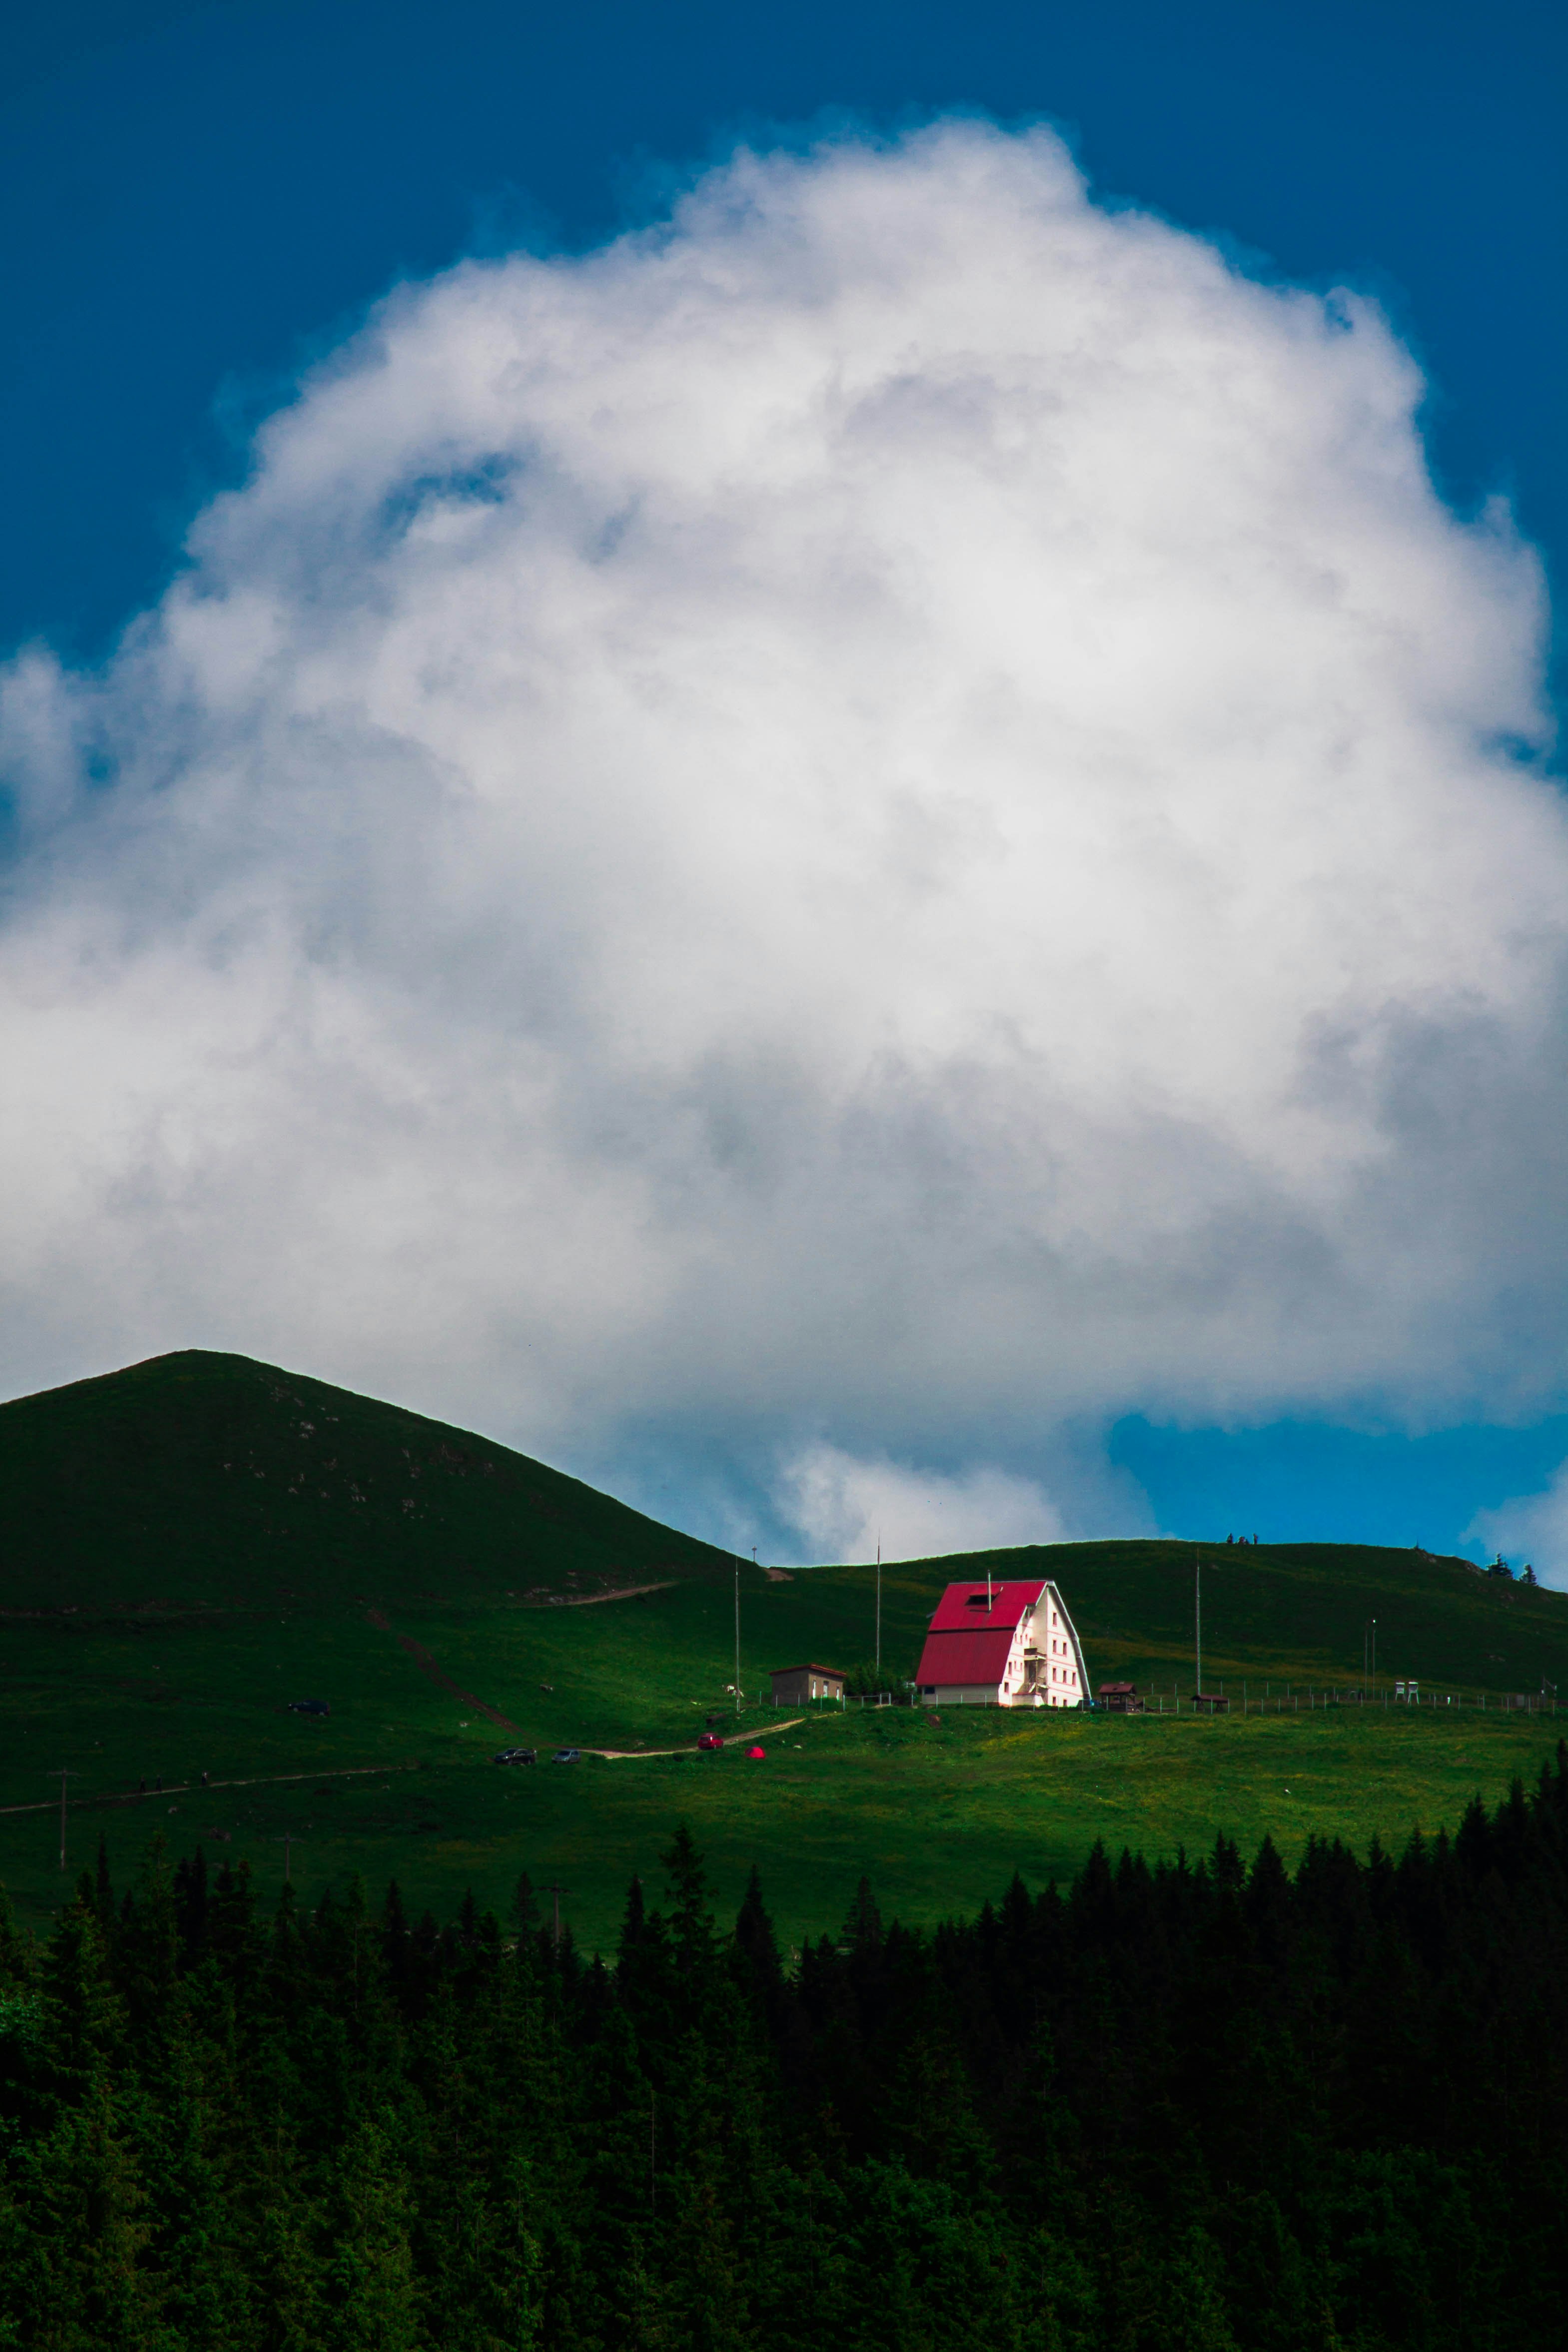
(558, 1891)
(879, 1605)
(1198, 1617)
(286, 1841)
(1374, 1653)
(66, 1773)
(738, 1636)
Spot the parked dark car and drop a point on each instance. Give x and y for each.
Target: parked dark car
(710, 1739)
(568, 1755)
(309, 1707)
(518, 1756)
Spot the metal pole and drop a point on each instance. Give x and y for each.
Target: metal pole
(738, 1637)
(558, 1891)
(68, 1772)
(1198, 1616)
(879, 1605)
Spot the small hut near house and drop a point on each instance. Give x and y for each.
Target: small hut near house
(791, 1684)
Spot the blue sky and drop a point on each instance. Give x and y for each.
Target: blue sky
(196, 196)
(201, 201)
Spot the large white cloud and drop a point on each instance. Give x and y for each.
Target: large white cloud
(890, 816)
(1530, 1526)
(851, 1509)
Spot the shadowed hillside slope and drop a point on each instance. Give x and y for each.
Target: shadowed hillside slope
(211, 1481)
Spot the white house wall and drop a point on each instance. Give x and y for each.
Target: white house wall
(1051, 1605)
(1049, 1622)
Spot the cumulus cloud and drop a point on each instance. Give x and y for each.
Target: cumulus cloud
(1532, 1528)
(889, 809)
(846, 1508)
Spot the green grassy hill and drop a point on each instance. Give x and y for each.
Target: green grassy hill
(1298, 1612)
(196, 1542)
(200, 1480)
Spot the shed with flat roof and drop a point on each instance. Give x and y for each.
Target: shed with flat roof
(792, 1683)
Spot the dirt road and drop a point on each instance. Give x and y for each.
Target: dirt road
(189, 1787)
(732, 1740)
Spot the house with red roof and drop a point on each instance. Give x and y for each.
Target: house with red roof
(1002, 1644)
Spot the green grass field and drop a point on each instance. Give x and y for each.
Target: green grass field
(176, 1647)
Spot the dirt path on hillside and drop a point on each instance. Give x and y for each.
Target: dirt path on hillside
(593, 1600)
(630, 1755)
(189, 1787)
(338, 1771)
(440, 1677)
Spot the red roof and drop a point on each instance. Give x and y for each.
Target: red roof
(964, 1657)
(963, 1606)
(969, 1643)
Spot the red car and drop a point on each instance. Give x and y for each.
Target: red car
(710, 1739)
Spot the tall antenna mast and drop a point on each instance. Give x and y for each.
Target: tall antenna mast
(738, 1635)
(879, 1604)
(66, 1773)
(1197, 1617)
